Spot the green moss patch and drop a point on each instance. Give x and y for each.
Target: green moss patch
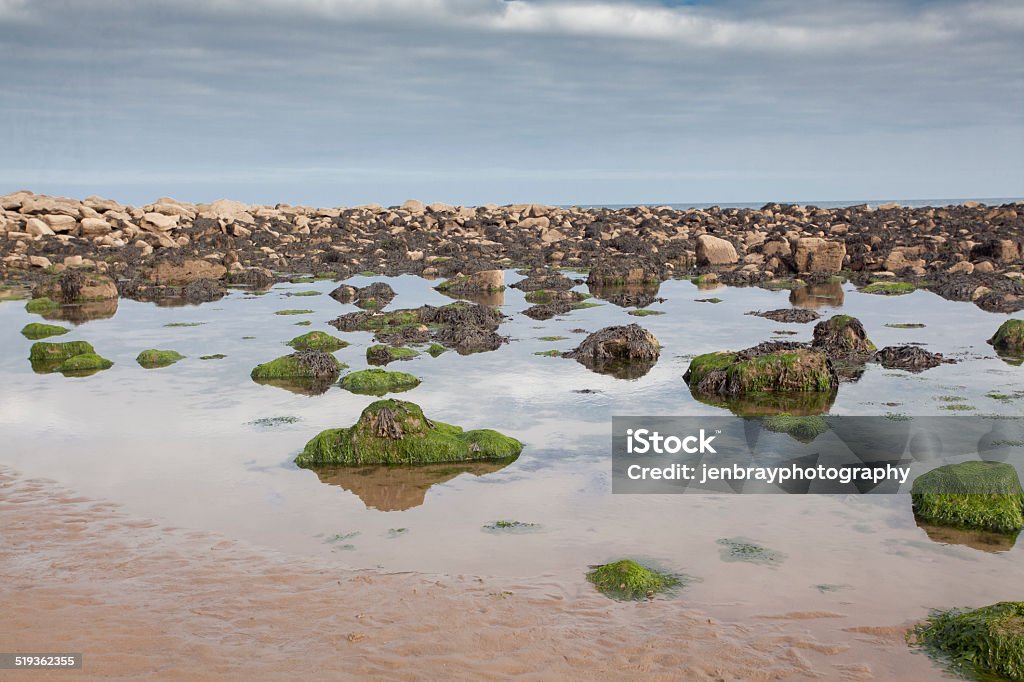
(985, 641)
(906, 325)
(303, 293)
(786, 369)
(301, 365)
(510, 526)
(436, 349)
(889, 288)
(380, 354)
(275, 421)
(803, 429)
(643, 312)
(154, 359)
(741, 549)
(321, 341)
(35, 331)
(553, 338)
(549, 353)
(184, 324)
(215, 356)
(293, 312)
(396, 432)
(378, 382)
(41, 305)
(629, 580)
(980, 495)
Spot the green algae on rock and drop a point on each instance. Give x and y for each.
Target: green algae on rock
(984, 641)
(629, 580)
(41, 305)
(302, 364)
(889, 288)
(436, 349)
(378, 382)
(1009, 337)
(154, 359)
(982, 495)
(294, 312)
(842, 335)
(380, 354)
(84, 364)
(396, 432)
(747, 551)
(321, 341)
(35, 331)
(49, 352)
(803, 429)
(773, 366)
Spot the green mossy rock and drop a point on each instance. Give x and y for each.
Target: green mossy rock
(45, 351)
(436, 349)
(293, 367)
(381, 355)
(842, 335)
(36, 330)
(889, 288)
(802, 429)
(626, 579)
(153, 359)
(1009, 337)
(396, 432)
(41, 305)
(86, 362)
(777, 369)
(378, 382)
(321, 341)
(988, 641)
(981, 495)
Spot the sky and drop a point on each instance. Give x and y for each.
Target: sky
(345, 102)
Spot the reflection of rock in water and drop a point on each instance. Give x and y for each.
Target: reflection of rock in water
(80, 313)
(766, 404)
(818, 295)
(627, 295)
(301, 385)
(983, 540)
(481, 297)
(397, 488)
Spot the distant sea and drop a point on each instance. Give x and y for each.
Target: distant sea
(910, 203)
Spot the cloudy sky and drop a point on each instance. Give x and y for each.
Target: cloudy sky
(341, 102)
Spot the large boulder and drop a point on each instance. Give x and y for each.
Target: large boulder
(842, 335)
(484, 281)
(909, 358)
(77, 286)
(397, 432)
(627, 351)
(1009, 338)
(981, 495)
(713, 250)
(814, 254)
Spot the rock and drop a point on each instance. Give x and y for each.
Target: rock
(77, 286)
(414, 206)
(542, 223)
(545, 280)
(309, 372)
(226, 209)
(963, 267)
(371, 297)
(397, 432)
(187, 271)
(1009, 338)
(985, 641)
(35, 331)
(842, 335)
(793, 315)
(154, 359)
(813, 254)
(381, 355)
(622, 273)
(982, 495)
(159, 222)
(715, 251)
(39, 261)
(60, 223)
(626, 352)
(773, 366)
(909, 358)
(319, 341)
(37, 228)
(378, 382)
(94, 227)
(83, 365)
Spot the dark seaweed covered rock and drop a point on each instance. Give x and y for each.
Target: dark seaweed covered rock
(909, 358)
(980, 642)
(626, 352)
(795, 315)
(545, 311)
(465, 327)
(545, 281)
(842, 335)
(1009, 338)
(397, 432)
(308, 371)
(371, 297)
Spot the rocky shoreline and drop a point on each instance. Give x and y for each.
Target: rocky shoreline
(171, 251)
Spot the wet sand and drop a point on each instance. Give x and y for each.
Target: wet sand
(142, 600)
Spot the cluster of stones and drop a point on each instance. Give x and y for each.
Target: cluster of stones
(967, 252)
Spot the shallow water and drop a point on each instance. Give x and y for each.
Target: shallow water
(179, 445)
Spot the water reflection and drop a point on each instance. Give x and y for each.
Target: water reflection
(81, 313)
(481, 297)
(301, 385)
(397, 488)
(818, 295)
(983, 540)
(763, 404)
(627, 295)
